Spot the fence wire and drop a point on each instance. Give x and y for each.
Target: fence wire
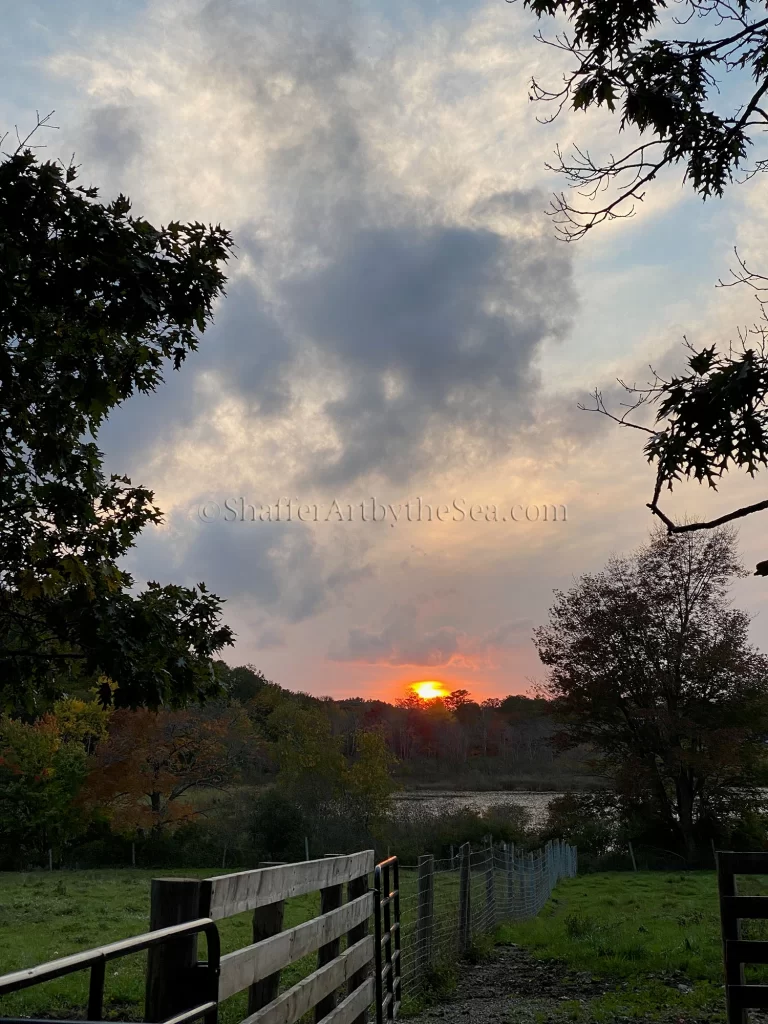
(446, 904)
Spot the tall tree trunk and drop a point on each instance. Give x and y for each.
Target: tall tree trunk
(684, 789)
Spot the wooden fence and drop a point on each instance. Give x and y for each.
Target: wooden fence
(257, 966)
(739, 997)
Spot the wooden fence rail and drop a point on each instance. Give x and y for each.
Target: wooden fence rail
(257, 967)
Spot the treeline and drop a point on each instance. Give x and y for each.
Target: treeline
(451, 742)
(260, 772)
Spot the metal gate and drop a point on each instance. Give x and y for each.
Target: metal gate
(386, 888)
(205, 976)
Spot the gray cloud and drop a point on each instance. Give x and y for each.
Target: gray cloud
(112, 137)
(431, 327)
(435, 330)
(412, 326)
(404, 640)
(244, 355)
(278, 567)
(270, 639)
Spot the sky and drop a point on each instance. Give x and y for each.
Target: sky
(401, 329)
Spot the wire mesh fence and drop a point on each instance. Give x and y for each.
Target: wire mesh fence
(447, 904)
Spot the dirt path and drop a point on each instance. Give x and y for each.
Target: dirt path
(512, 987)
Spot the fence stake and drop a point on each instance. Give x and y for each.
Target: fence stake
(330, 899)
(452, 864)
(355, 888)
(267, 921)
(490, 889)
(424, 919)
(170, 987)
(533, 886)
(465, 910)
(510, 872)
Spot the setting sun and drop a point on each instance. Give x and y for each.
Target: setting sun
(429, 689)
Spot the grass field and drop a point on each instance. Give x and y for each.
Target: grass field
(45, 915)
(655, 935)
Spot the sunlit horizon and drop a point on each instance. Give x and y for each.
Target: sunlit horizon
(430, 689)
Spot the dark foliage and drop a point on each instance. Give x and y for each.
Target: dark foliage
(93, 304)
(664, 73)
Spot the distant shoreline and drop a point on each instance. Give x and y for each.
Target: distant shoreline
(456, 787)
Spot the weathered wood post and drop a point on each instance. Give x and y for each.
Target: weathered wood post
(267, 921)
(170, 977)
(355, 888)
(731, 931)
(490, 887)
(330, 899)
(465, 889)
(424, 913)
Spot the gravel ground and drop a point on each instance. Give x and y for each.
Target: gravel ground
(498, 991)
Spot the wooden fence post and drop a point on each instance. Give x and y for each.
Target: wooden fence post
(424, 919)
(355, 888)
(731, 931)
(330, 899)
(490, 887)
(170, 987)
(267, 921)
(465, 888)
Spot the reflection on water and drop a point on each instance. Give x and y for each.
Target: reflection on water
(445, 801)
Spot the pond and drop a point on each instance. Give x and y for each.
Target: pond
(447, 801)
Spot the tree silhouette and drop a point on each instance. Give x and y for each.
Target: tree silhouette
(94, 304)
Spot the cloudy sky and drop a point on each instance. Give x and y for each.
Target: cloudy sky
(400, 323)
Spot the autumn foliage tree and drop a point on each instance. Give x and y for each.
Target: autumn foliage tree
(652, 668)
(144, 771)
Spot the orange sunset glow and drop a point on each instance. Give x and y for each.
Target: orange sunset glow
(429, 689)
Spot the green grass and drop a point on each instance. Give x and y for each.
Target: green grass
(647, 933)
(650, 933)
(44, 916)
